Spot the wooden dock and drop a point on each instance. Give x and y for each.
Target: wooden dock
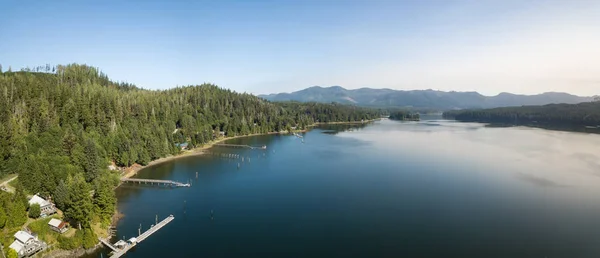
(241, 146)
(108, 244)
(118, 252)
(155, 181)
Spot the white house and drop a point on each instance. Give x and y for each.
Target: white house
(26, 244)
(46, 207)
(58, 225)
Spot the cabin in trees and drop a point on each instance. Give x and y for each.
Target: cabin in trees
(58, 225)
(46, 207)
(26, 244)
(182, 146)
(218, 134)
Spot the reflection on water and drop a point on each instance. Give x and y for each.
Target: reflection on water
(433, 188)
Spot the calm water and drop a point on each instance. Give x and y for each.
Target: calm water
(389, 189)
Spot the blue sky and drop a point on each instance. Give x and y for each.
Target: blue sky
(280, 46)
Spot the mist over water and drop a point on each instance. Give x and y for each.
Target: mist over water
(434, 188)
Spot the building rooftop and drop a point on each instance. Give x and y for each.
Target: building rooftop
(17, 246)
(38, 200)
(23, 236)
(55, 222)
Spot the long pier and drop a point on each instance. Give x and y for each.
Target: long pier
(241, 146)
(155, 181)
(118, 252)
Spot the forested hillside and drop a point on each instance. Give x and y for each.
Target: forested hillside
(60, 129)
(553, 115)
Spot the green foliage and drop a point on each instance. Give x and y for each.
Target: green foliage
(104, 197)
(61, 126)
(34, 211)
(82, 238)
(583, 114)
(13, 212)
(41, 228)
(89, 238)
(3, 217)
(79, 210)
(11, 253)
(17, 215)
(61, 195)
(404, 116)
(91, 163)
(70, 243)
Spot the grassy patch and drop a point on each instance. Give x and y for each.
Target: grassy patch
(13, 183)
(100, 230)
(41, 228)
(70, 232)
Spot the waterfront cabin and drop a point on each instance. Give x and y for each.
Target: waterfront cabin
(26, 244)
(58, 225)
(46, 207)
(182, 146)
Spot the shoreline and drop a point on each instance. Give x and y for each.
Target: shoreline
(135, 168)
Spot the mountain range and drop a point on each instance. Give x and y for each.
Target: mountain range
(422, 99)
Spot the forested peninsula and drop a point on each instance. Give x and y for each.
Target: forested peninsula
(578, 117)
(61, 127)
(404, 116)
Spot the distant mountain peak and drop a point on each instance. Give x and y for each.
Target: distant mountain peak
(421, 99)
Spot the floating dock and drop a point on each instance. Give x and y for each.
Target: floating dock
(120, 251)
(264, 147)
(155, 181)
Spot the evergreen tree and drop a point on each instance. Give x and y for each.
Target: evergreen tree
(80, 202)
(91, 163)
(104, 197)
(3, 216)
(61, 195)
(20, 196)
(17, 214)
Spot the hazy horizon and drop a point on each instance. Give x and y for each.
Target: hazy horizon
(263, 47)
(376, 88)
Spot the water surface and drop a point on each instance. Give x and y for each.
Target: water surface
(434, 188)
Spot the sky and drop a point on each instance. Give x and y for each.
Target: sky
(488, 46)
